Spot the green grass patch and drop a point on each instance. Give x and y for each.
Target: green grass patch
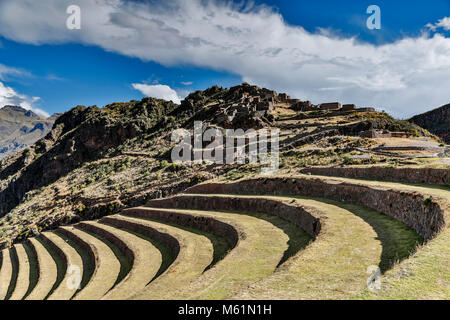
(425, 276)
(298, 238)
(398, 240)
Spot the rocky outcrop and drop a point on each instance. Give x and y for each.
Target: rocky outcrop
(411, 175)
(80, 135)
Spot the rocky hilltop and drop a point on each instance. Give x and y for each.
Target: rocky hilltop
(20, 128)
(97, 161)
(436, 121)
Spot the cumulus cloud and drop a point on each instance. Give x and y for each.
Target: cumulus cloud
(9, 96)
(405, 77)
(159, 91)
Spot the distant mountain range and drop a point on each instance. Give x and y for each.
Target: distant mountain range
(20, 128)
(436, 121)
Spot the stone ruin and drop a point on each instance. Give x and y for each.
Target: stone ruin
(330, 106)
(248, 105)
(384, 134)
(305, 106)
(348, 107)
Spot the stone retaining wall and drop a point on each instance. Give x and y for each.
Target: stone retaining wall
(424, 216)
(54, 248)
(170, 241)
(85, 246)
(110, 237)
(206, 224)
(295, 214)
(412, 175)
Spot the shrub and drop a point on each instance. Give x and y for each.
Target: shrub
(163, 164)
(347, 159)
(414, 132)
(427, 201)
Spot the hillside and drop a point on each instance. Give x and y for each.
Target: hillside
(20, 128)
(91, 191)
(436, 121)
(96, 161)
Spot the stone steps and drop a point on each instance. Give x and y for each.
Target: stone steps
(352, 241)
(284, 208)
(333, 266)
(408, 204)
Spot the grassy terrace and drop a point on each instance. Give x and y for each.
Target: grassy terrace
(334, 265)
(426, 272)
(260, 248)
(165, 253)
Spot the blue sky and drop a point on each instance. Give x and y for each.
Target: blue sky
(68, 75)
(348, 17)
(314, 50)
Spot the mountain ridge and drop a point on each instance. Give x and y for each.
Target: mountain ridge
(20, 128)
(436, 121)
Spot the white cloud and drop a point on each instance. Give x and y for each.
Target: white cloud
(6, 71)
(406, 77)
(9, 96)
(159, 91)
(187, 83)
(442, 23)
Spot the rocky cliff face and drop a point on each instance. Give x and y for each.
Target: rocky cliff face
(436, 121)
(78, 136)
(20, 128)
